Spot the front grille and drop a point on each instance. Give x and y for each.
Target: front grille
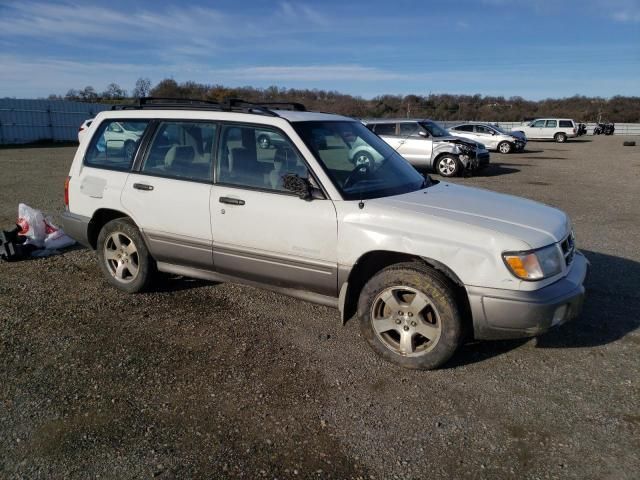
(568, 246)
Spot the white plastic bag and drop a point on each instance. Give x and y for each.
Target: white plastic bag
(31, 222)
(40, 231)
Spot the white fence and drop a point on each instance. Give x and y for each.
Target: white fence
(28, 121)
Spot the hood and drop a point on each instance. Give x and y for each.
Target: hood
(459, 141)
(531, 222)
(518, 134)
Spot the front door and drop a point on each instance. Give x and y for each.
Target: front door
(168, 196)
(414, 147)
(261, 231)
(486, 136)
(537, 129)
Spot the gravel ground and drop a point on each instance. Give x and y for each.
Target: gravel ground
(201, 380)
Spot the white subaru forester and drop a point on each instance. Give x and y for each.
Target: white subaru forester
(425, 265)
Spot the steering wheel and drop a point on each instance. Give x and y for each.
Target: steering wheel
(360, 171)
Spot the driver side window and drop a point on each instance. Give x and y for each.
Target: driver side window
(256, 158)
(538, 124)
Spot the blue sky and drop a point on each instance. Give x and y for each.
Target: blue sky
(532, 48)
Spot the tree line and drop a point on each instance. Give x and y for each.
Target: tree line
(437, 106)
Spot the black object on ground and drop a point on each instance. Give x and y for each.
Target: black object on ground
(12, 245)
(629, 144)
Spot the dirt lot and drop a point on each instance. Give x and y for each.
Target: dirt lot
(203, 380)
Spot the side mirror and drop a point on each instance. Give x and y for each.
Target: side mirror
(422, 133)
(298, 185)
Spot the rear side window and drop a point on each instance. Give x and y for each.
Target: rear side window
(464, 128)
(385, 128)
(115, 143)
(182, 150)
(566, 124)
(551, 123)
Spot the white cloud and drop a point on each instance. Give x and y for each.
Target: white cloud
(310, 73)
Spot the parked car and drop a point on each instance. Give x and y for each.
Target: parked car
(604, 129)
(492, 136)
(83, 129)
(558, 129)
(424, 265)
(427, 145)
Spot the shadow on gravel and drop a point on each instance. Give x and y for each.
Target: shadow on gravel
(532, 151)
(546, 158)
(612, 306)
(495, 169)
(611, 311)
(172, 283)
(580, 140)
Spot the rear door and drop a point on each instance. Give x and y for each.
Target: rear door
(389, 133)
(550, 128)
(261, 231)
(464, 131)
(168, 193)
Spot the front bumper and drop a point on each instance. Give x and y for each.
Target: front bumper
(501, 314)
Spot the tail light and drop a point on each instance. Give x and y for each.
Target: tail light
(80, 129)
(66, 191)
(574, 130)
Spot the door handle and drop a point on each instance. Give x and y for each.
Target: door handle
(231, 201)
(401, 142)
(143, 186)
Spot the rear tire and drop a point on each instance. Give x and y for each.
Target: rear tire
(504, 147)
(409, 316)
(560, 138)
(448, 166)
(123, 256)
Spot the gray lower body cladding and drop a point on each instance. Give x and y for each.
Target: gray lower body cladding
(77, 227)
(501, 314)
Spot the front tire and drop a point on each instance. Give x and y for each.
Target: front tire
(409, 316)
(560, 137)
(123, 256)
(504, 147)
(448, 166)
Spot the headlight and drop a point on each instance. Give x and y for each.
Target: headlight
(535, 264)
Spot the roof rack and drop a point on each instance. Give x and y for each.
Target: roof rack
(229, 105)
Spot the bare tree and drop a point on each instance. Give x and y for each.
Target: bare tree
(142, 88)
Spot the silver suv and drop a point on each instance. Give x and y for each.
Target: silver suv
(426, 145)
(492, 136)
(328, 213)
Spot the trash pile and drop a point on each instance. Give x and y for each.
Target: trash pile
(34, 235)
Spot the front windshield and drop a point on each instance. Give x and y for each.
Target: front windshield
(434, 129)
(360, 164)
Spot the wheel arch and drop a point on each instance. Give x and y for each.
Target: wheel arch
(370, 263)
(99, 219)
